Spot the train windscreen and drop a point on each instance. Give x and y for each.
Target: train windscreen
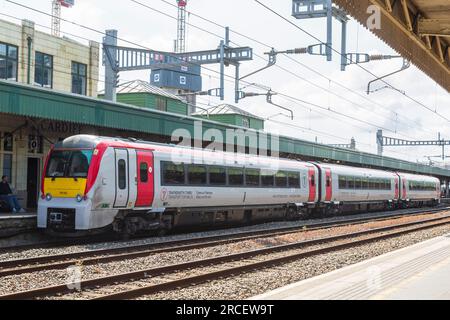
(69, 164)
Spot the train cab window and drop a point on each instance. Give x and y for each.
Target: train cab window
(122, 176)
(281, 179)
(267, 179)
(294, 180)
(196, 175)
(217, 176)
(143, 172)
(173, 174)
(252, 177)
(357, 183)
(236, 176)
(69, 163)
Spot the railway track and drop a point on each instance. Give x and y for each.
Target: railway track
(144, 282)
(61, 261)
(105, 238)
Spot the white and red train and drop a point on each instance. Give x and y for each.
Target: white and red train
(91, 183)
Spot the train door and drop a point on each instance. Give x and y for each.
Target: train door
(404, 188)
(122, 178)
(328, 185)
(312, 184)
(396, 187)
(145, 186)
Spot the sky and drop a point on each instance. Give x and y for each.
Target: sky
(330, 93)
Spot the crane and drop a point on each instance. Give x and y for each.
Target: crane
(180, 43)
(56, 14)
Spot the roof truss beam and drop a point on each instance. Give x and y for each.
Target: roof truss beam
(400, 21)
(434, 27)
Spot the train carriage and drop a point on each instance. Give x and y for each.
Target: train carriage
(359, 189)
(418, 190)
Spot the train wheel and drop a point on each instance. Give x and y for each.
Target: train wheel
(293, 213)
(331, 211)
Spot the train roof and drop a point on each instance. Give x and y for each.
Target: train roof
(91, 142)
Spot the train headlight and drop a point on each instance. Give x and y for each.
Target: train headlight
(79, 198)
(48, 197)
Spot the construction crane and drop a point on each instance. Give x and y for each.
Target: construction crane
(180, 43)
(56, 14)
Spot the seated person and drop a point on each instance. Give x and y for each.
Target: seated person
(7, 196)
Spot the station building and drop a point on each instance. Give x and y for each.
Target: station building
(39, 59)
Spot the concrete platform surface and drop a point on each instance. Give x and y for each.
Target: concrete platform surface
(14, 223)
(418, 272)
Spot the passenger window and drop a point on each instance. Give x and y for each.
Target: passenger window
(252, 177)
(196, 175)
(342, 182)
(173, 174)
(364, 184)
(294, 180)
(304, 181)
(357, 183)
(217, 176)
(378, 184)
(281, 179)
(267, 179)
(236, 176)
(122, 175)
(350, 183)
(143, 172)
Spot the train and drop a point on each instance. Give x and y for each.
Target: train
(92, 184)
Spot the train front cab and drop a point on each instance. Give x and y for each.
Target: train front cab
(93, 189)
(64, 205)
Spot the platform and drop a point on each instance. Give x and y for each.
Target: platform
(418, 272)
(13, 223)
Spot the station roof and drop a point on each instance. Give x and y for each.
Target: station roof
(226, 109)
(419, 30)
(35, 102)
(140, 86)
